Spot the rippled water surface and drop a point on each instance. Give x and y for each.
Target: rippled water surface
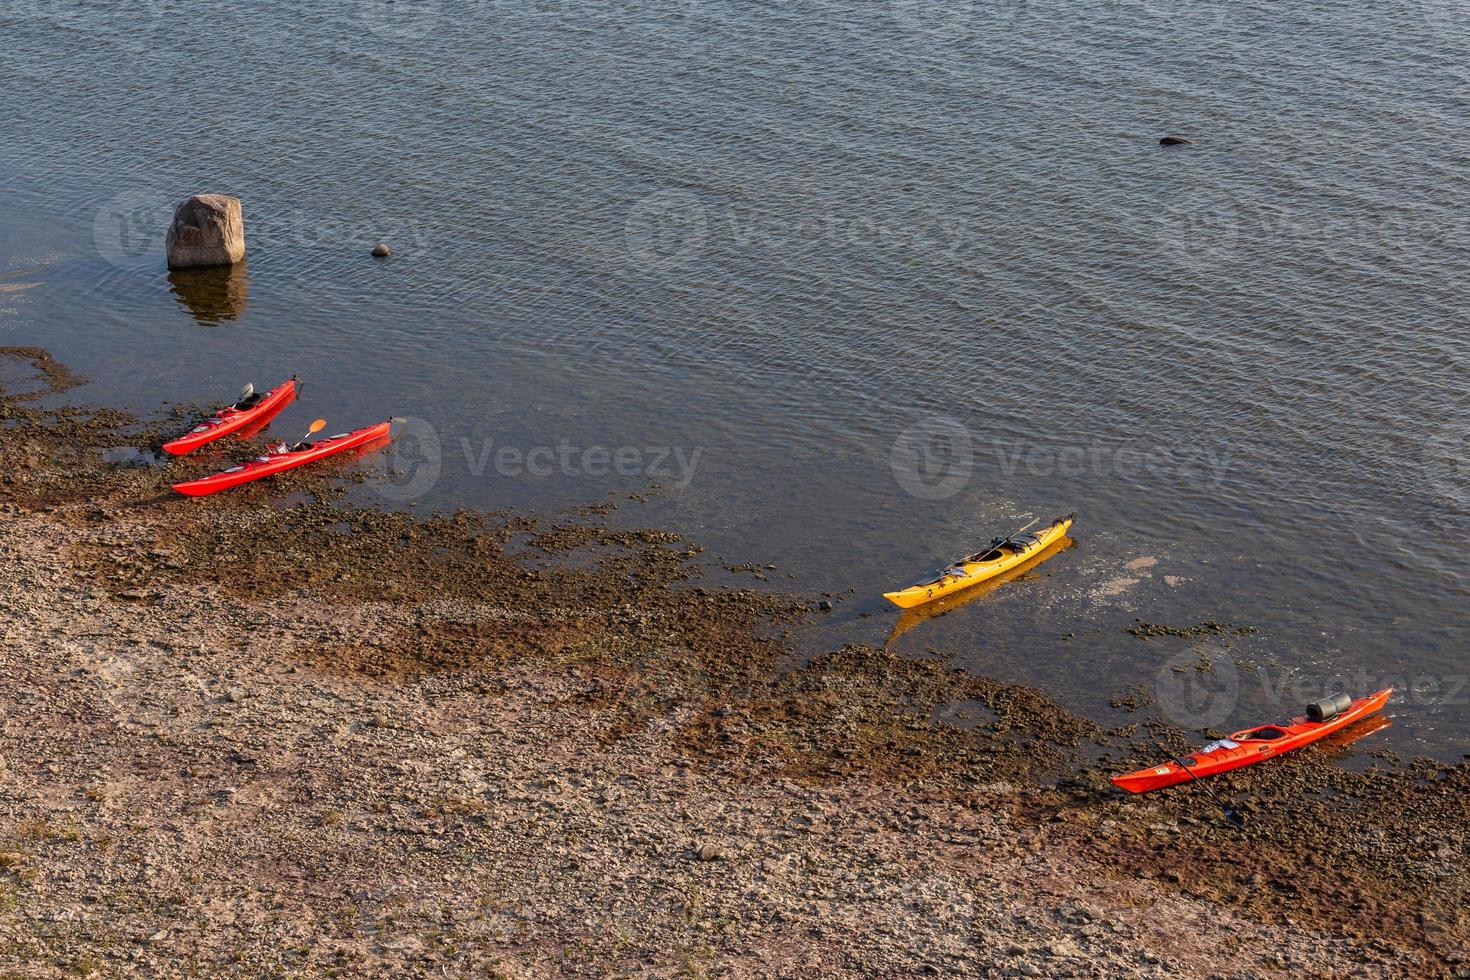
(858, 285)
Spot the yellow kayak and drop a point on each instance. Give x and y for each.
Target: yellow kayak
(946, 604)
(1002, 555)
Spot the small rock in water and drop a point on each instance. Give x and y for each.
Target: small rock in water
(824, 606)
(1175, 141)
(381, 250)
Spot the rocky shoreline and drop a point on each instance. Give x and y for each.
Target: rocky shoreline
(281, 734)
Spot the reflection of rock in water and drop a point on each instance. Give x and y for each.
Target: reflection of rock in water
(211, 295)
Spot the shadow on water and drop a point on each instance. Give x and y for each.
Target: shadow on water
(211, 295)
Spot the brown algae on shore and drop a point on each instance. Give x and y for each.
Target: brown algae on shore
(305, 698)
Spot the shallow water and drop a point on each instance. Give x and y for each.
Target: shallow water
(857, 287)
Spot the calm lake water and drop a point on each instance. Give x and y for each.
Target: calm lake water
(858, 285)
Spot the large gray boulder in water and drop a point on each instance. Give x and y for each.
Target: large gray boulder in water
(207, 230)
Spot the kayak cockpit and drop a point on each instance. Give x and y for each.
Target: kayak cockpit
(992, 552)
(1269, 733)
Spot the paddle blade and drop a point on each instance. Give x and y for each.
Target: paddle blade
(317, 426)
(1233, 815)
(246, 392)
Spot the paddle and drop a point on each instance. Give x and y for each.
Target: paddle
(316, 427)
(989, 548)
(1012, 535)
(1231, 814)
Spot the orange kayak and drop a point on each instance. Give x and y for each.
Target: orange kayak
(278, 462)
(1253, 745)
(252, 411)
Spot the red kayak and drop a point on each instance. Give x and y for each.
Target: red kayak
(277, 462)
(232, 418)
(1257, 744)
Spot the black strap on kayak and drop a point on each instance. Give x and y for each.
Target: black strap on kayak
(1021, 529)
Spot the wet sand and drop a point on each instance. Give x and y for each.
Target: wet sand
(273, 731)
